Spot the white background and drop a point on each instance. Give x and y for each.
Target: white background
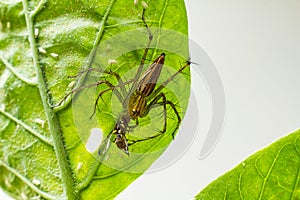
(255, 46)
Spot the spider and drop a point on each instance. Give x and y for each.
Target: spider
(143, 95)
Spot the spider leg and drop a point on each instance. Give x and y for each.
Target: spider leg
(105, 145)
(109, 72)
(149, 107)
(171, 78)
(134, 126)
(163, 103)
(142, 63)
(116, 75)
(131, 142)
(152, 104)
(173, 106)
(81, 88)
(111, 88)
(120, 81)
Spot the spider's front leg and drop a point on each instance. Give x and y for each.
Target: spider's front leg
(146, 110)
(153, 103)
(78, 88)
(82, 88)
(164, 102)
(115, 91)
(173, 106)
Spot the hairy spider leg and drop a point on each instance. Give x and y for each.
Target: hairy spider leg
(112, 88)
(119, 79)
(155, 101)
(164, 103)
(142, 63)
(173, 106)
(85, 87)
(166, 82)
(109, 72)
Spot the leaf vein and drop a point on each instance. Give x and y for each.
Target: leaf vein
(160, 25)
(28, 81)
(130, 22)
(240, 184)
(54, 125)
(91, 57)
(29, 183)
(293, 195)
(269, 171)
(28, 128)
(38, 8)
(257, 168)
(92, 172)
(283, 187)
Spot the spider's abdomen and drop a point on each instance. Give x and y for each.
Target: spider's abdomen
(150, 77)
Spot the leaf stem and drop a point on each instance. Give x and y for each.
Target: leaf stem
(61, 155)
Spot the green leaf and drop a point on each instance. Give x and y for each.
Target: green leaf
(42, 43)
(271, 173)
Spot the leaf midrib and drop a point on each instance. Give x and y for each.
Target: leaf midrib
(51, 114)
(52, 119)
